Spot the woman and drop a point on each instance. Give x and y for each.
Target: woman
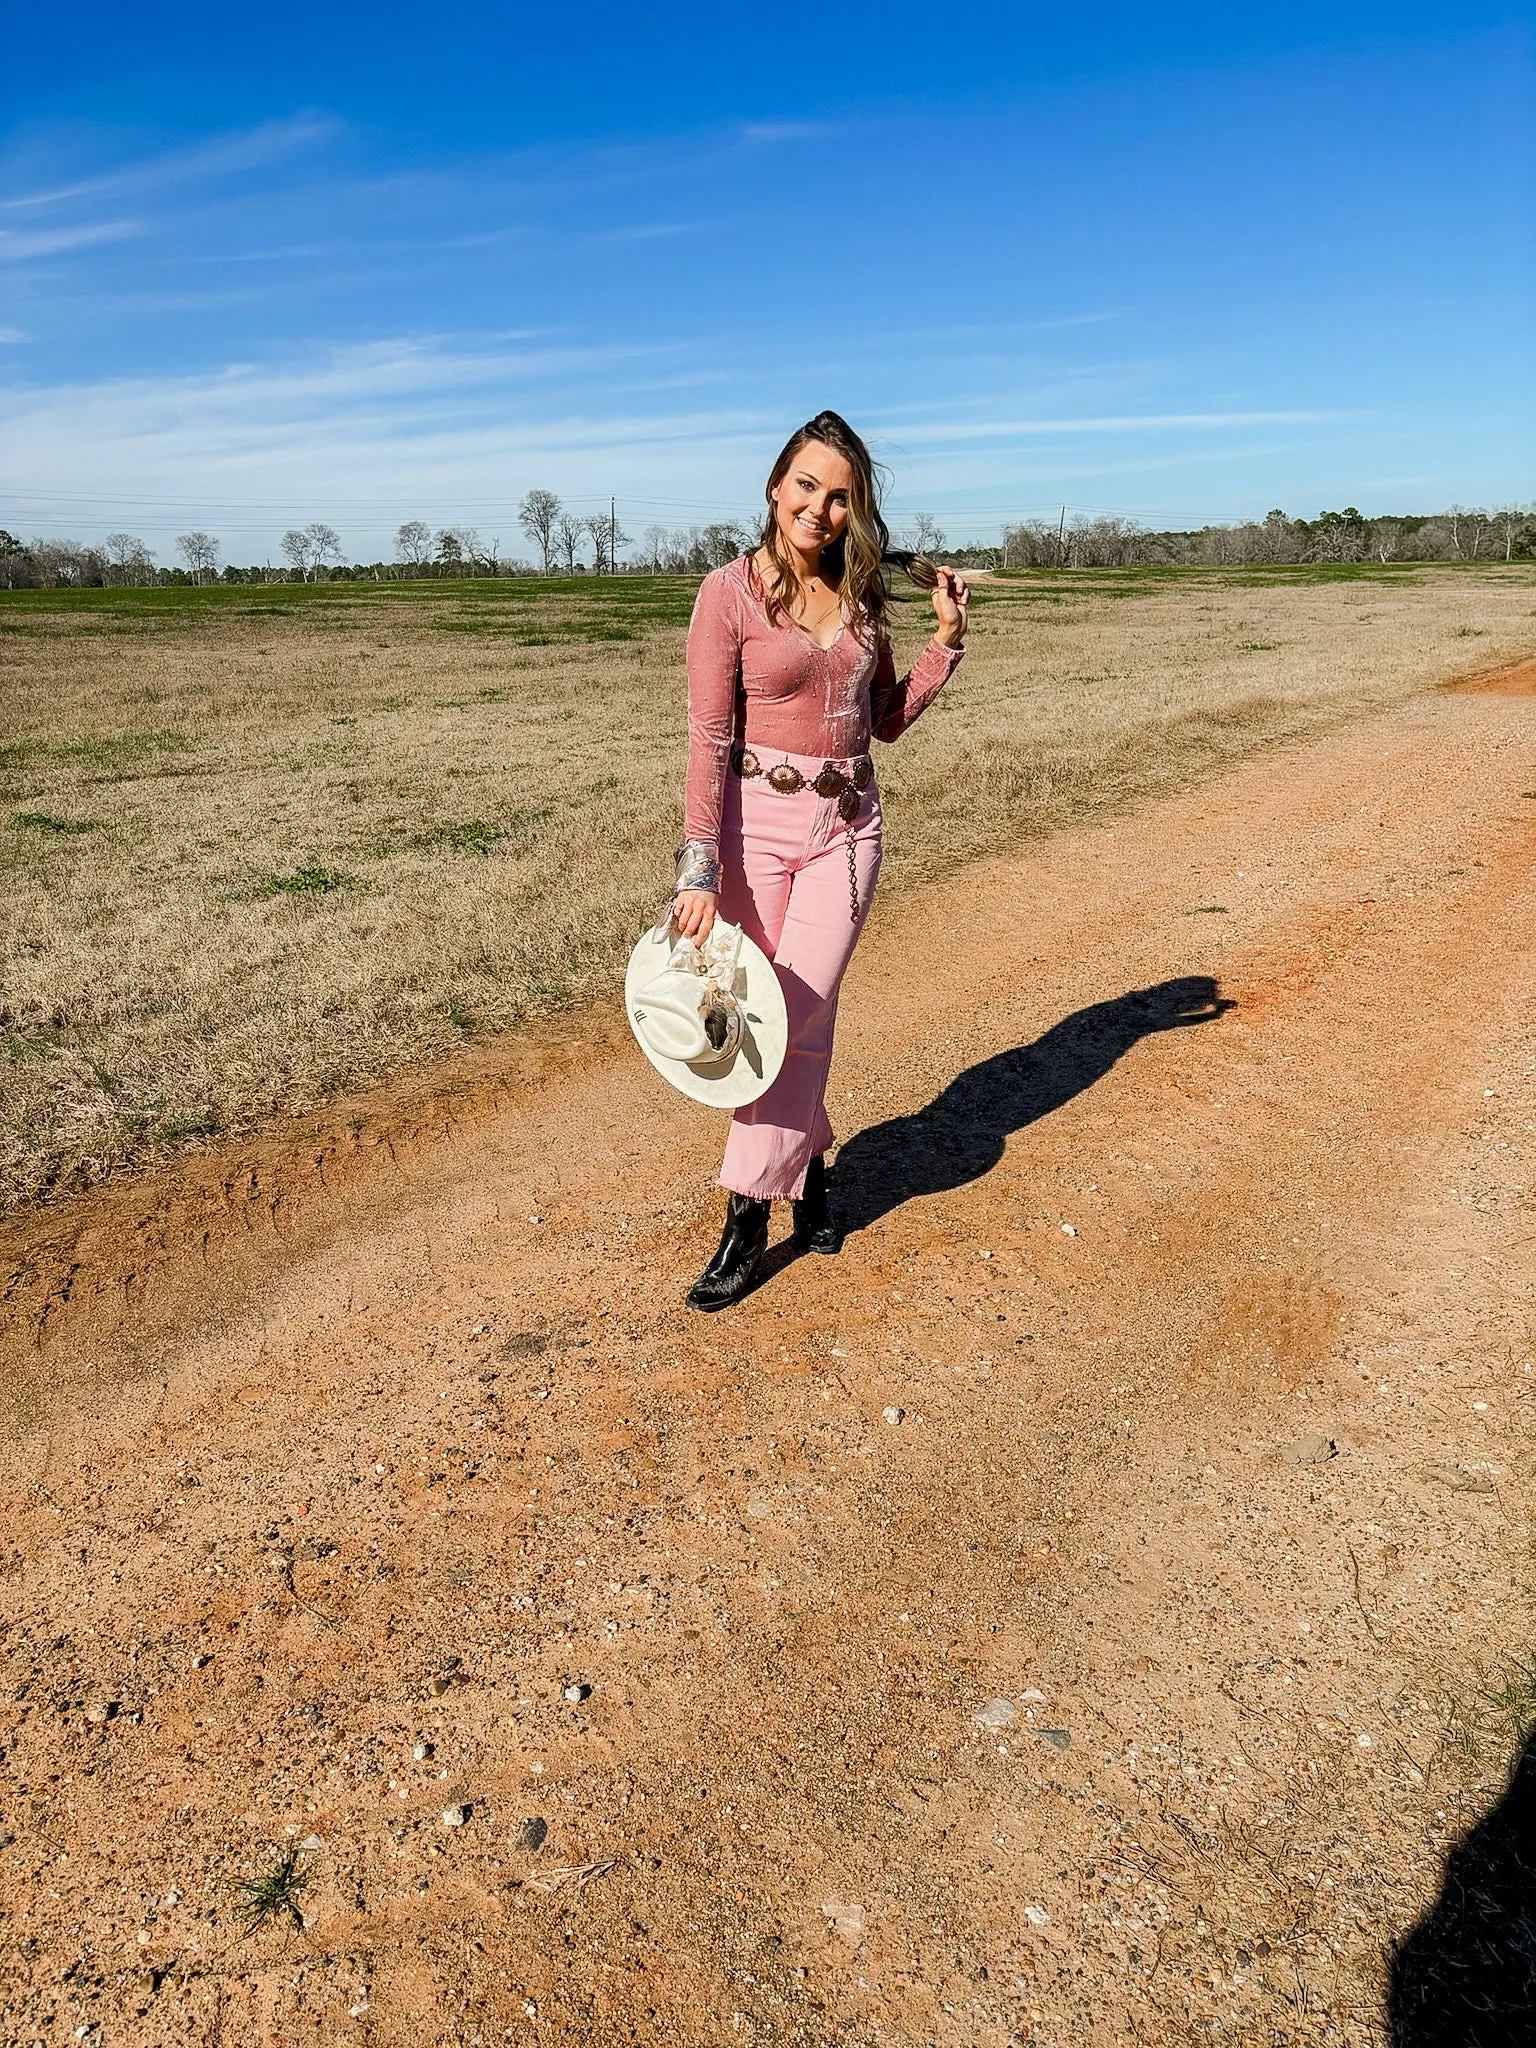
(789, 675)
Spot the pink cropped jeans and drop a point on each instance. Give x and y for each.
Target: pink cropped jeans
(786, 882)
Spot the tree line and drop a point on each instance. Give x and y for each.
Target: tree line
(568, 544)
(1463, 534)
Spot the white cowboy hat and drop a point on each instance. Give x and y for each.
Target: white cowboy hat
(709, 1019)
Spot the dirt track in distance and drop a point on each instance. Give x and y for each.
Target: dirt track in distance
(1138, 1676)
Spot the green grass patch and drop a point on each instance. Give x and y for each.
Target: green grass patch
(305, 881)
(42, 821)
(197, 1123)
(472, 836)
(1257, 646)
(275, 1893)
(115, 754)
(657, 600)
(1512, 1696)
(479, 836)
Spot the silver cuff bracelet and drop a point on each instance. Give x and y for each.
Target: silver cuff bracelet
(698, 867)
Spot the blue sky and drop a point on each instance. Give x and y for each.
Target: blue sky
(375, 264)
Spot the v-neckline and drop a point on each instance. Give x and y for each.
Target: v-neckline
(827, 646)
(798, 624)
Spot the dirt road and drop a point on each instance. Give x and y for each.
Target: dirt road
(1087, 1611)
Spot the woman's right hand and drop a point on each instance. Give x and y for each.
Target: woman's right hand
(693, 914)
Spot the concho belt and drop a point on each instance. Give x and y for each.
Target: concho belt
(785, 778)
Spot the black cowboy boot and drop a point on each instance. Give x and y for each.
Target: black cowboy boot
(816, 1228)
(734, 1267)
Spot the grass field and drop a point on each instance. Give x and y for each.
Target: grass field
(261, 844)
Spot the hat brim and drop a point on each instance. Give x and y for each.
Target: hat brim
(733, 1083)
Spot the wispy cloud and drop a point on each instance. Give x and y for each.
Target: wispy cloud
(242, 150)
(654, 231)
(785, 131)
(1119, 423)
(11, 334)
(17, 245)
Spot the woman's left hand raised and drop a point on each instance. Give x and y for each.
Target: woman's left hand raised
(951, 596)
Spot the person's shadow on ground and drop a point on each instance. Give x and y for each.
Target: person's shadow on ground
(1465, 1977)
(961, 1134)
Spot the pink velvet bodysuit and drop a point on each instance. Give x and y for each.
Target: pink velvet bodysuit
(772, 688)
(796, 876)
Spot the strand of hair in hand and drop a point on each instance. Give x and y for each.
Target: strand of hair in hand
(918, 568)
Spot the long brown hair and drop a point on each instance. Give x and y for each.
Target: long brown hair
(854, 564)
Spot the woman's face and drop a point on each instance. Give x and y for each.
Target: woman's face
(811, 503)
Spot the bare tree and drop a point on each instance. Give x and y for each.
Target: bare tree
(595, 527)
(924, 534)
(723, 542)
(657, 542)
(200, 552)
(1510, 521)
(324, 543)
(607, 537)
(537, 516)
(566, 539)
(128, 559)
(295, 546)
(413, 543)
(310, 547)
(1468, 524)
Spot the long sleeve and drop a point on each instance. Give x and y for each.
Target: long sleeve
(714, 679)
(893, 705)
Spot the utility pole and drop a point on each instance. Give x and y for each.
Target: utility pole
(1061, 539)
(613, 527)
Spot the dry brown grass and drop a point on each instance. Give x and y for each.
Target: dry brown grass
(259, 846)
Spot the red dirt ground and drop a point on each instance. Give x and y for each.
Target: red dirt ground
(1133, 1683)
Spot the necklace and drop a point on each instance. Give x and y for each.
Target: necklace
(823, 611)
(797, 604)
